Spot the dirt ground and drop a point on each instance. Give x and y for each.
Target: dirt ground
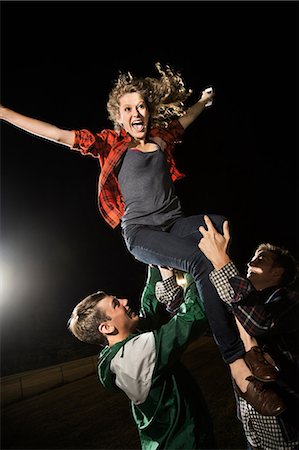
(84, 415)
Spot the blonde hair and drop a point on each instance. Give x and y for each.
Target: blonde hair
(165, 96)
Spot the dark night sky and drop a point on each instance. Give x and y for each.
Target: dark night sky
(240, 157)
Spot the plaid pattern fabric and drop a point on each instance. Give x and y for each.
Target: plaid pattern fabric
(257, 311)
(109, 146)
(232, 289)
(170, 294)
(220, 279)
(264, 432)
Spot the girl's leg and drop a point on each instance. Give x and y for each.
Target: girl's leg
(178, 248)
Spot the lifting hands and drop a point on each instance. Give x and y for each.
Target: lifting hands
(214, 245)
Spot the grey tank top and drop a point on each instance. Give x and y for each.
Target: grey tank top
(147, 189)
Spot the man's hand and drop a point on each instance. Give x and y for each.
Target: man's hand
(166, 272)
(213, 244)
(168, 291)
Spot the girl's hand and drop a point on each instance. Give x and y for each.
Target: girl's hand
(207, 96)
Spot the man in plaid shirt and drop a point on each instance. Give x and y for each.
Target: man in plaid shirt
(267, 314)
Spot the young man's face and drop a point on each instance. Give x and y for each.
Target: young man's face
(261, 272)
(121, 316)
(134, 115)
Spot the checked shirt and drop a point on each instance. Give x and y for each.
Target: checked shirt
(170, 294)
(270, 313)
(108, 146)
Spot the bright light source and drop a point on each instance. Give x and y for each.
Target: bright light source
(16, 277)
(6, 280)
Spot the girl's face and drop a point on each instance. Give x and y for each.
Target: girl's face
(133, 115)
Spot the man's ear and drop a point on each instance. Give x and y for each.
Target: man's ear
(106, 328)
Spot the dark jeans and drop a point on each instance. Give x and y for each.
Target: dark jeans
(178, 248)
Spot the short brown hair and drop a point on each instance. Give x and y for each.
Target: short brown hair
(86, 318)
(284, 259)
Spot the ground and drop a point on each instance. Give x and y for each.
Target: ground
(84, 415)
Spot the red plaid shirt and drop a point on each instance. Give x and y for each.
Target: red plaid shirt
(108, 146)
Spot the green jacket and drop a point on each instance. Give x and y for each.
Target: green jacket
(167, 405)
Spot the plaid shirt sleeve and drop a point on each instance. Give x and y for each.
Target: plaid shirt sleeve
(97, 144)
(253, 313)
(170, 294)
(244, 300)
(235, 290)
(220, 279)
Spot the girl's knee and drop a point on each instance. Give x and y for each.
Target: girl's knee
(218, 221)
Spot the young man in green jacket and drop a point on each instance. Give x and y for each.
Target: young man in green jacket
(167, 404)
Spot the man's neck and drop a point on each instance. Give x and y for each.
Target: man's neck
(119, 337)
(264, 286)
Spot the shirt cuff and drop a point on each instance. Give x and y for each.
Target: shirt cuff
(83, 140)
(164, 289)
(220, 279)
(170, 294)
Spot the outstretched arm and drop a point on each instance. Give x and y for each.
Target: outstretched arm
(195, 110)
(37, 127)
